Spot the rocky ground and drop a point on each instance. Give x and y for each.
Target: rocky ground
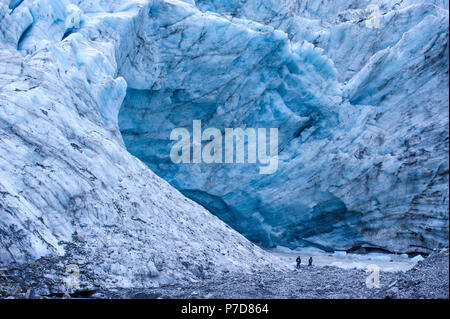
(428, 279)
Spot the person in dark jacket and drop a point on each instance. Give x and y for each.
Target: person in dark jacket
(310, 261)
(299, 261)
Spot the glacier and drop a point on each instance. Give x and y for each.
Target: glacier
(361, 112)
(86, 111)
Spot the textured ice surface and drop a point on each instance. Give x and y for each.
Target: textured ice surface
(361, 112)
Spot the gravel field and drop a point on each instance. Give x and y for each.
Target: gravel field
(428, 279)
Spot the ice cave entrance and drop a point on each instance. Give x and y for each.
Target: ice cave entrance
(146, 119)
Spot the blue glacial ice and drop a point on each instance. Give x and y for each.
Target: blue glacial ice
(361, 112)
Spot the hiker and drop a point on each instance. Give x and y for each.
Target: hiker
(299, 261)
(310, 261)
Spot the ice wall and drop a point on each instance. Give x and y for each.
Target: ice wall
(361, 108)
